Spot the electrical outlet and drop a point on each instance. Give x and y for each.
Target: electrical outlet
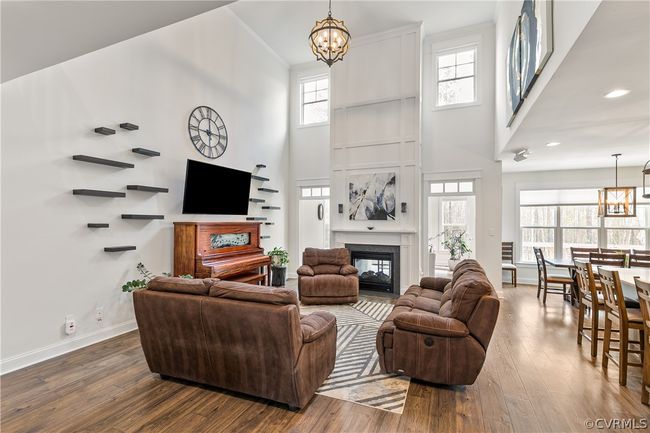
(99, 315)
(70, 325)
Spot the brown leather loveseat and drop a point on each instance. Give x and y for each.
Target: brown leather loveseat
(439, 331)
(327, 277)
(240, 337)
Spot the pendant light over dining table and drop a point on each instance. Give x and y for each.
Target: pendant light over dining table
(329, 39)
(617, 201)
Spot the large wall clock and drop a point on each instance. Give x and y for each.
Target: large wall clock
(207, 132)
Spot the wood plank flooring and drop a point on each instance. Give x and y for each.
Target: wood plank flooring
(535, 379)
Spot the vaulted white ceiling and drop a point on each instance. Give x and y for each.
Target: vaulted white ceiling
(38, 34)
(612, 52)
(285, 25)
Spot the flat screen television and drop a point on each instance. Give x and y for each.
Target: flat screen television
(215, 190)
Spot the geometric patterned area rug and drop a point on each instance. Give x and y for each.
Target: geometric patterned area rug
(356, 376)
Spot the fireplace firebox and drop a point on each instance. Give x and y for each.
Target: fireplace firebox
(378, 267)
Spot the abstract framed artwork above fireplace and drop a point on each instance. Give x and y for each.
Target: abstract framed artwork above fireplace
(379, 267)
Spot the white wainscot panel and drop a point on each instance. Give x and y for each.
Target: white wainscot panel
(339, 158)
(376, 75)
(410, 117)
(410, 62)
(373, 123)
(338, 127)
(372, 156)
(409, 152)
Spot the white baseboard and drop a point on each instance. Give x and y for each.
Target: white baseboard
(26, 359)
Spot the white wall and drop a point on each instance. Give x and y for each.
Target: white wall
(310, 153)
(513, 183)
(569, 20)
(376, 129)
(53, 265)
(458, 143)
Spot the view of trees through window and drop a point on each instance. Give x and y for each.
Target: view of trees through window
(557, 228)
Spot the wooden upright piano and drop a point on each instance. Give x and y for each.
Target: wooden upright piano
(225, 250)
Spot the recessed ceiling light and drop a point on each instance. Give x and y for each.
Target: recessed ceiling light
(553, 143)
(617, 93)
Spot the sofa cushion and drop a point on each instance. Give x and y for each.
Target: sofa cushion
(305, 270)
(465, 293)
(427, 304)
(252, 293)
(468, 265)
(334, 256)
(326, 269)
(329, 285)
(187, 286)
(348, 270)
(434, 283)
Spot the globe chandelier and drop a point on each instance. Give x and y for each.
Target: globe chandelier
(329, 39)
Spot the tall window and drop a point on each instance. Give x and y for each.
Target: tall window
(456, 75)
(314, 100)
(556, 220)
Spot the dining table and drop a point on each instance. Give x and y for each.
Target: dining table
(627, 276)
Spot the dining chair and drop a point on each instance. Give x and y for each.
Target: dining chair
(643, 290)
(590, 299)
(640, 259)
(582, 253)
(543, 279)
(626, 319)
(616, 260)
(508, 260)
(614, 251)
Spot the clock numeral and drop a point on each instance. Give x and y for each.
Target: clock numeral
(194, 128)
(195, 118)
(196, 138)
(222, 127)
(201, 112)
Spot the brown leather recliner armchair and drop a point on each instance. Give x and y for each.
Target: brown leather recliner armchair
(236, 336)
(440, 330)
(327, 277)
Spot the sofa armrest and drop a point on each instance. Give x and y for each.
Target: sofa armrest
(434, 283)
(306, 271)
(432, 324)
(348, 270)
(316, 324)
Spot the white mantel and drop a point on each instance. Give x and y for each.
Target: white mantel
(376, 128)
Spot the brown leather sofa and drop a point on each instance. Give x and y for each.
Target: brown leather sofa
(327, 277)
(439, 331)
(241, 337)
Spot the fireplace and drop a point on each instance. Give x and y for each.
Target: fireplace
(378, 267)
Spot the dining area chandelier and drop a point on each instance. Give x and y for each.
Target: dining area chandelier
(617, 201)
(329, 39)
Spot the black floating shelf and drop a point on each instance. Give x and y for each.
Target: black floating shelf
(255, 218)
(102, 161)
(267, 190)
(260, 178)
(98, 193)
(260, 166)
(118, 249)
(257, 200)
(129, 126)
(269, 224)
(97, 225)
(130, 216)
(104, 131)
(146, 188)
(145, 152)
(265, 237)
(271, 207)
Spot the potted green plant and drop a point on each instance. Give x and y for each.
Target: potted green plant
(133, 285)
(457, 243)
(279, 260)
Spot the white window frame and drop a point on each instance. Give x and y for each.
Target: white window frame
(558, 228)
(441, 52)
(301, 83)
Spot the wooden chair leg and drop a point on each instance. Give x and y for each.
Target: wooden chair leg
(545, 290)
(539, 288)
(622, 362)
(514, 277)
(606, 340)
(594, 331)
(645, 383)
(581, 321)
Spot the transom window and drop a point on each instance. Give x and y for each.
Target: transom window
(454, 187)
(456, 76)
(315, 192)
(556, 220)
(314, 100)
